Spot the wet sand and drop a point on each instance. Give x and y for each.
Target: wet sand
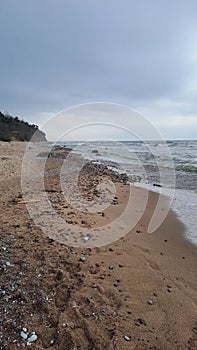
(138, 292)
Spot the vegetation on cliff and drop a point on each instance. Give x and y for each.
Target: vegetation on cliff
(14, 129)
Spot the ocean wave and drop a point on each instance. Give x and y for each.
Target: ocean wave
(188, 169)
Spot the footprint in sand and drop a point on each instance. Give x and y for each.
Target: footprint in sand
(62, 295)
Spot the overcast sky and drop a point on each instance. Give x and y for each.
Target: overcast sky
(58, 53)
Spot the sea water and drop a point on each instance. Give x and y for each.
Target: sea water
(171, 164)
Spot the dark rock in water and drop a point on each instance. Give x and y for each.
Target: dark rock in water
(157, 185)
(95, 151)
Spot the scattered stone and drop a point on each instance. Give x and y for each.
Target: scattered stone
(140, 321)
(138, 231)
(69, 221)
(103, 313)
(111, 250)
(95, 315)
(46, 299)
(126, 338)
(24, 335)
(102, 277)
(155, 294)
(50, 240)
(129, 312)
(32, 338)
(66, 324)
(120, 265)
(82, 259)
(101, 289)
(86, 238)
(110, 267)
(150, 302)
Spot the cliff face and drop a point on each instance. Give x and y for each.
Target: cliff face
(14, 129)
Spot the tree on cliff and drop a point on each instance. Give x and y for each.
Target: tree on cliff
(14, 129)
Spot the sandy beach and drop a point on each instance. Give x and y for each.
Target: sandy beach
(138, 292)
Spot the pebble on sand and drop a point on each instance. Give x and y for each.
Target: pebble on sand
(101, 289)
(24, 335)
(82, 258)
(32, 338)
(86, 238)
(126, 338)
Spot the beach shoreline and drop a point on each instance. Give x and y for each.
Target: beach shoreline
(140, 286)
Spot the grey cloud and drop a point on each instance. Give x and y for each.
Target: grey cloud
(58, 53)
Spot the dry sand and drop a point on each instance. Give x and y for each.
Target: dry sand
(142, 286)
